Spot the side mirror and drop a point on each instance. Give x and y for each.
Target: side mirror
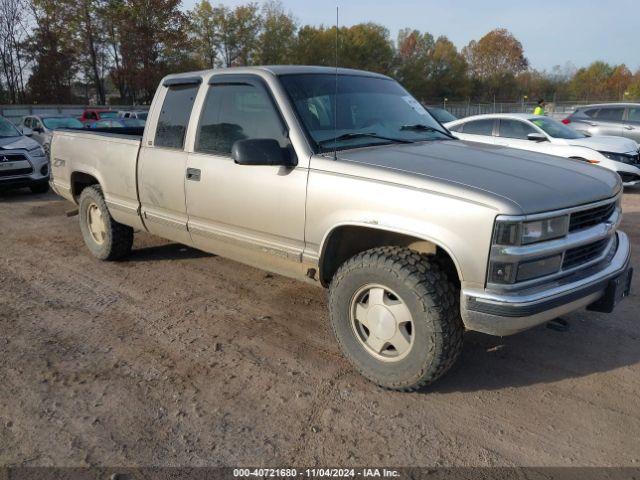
(261, 151)
(27, 132)
(38, 129)
(537, 137)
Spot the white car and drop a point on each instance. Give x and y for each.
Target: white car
(546, 135)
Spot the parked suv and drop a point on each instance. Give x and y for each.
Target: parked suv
(22, 160)
(41, 127)
(620, 119)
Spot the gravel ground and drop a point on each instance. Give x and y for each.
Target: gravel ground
(179, 358)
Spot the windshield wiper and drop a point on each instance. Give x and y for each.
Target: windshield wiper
(349, 136)
(421, 127)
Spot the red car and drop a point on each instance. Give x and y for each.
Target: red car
(91, 115)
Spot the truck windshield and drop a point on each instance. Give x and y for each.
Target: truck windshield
(7, 129)
(368, 111)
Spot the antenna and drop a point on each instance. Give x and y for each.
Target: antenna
(335, 96)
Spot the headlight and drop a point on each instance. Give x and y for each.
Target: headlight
(524, 233)
(37, 152)
(617, 157)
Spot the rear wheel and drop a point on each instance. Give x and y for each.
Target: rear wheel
(395, 314)
(105, 238)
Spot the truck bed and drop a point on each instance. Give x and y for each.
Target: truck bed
(106, 157)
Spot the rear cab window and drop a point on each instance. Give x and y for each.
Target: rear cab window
(174, 116)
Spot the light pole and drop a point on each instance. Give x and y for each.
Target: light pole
(524, 99)
(445, 103)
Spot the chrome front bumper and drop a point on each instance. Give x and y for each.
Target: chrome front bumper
(510, 313)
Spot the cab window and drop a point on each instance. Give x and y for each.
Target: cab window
(634, 114)
(174, 116)
(237, 111)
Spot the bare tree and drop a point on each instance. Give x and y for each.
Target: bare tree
(13, 33)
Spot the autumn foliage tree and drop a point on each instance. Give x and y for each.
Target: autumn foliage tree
(58, 51)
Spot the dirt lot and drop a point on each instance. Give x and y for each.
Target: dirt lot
(176, 357)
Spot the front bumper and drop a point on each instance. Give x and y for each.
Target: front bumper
(39, 174)
(512, 313)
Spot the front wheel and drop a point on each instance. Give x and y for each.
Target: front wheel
(105, 238)
(395, 314)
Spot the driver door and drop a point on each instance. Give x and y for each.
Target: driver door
(254, 214)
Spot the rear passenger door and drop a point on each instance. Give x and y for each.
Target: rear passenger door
(632, 124)
(609, 121)
(254, 214)
(162, 161)
(480, 130)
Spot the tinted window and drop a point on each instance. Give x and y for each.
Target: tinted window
(90, 115)
(235, 112)
(515, 129)
(61, 122)
(457, 128)
(174, 116)
(634, 114)
(611, 114)
(479, 127)
(590, 112)
(27, 122)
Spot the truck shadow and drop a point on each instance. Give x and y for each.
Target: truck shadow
(541, 356)
(170, 251)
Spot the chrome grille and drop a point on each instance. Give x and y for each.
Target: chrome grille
(590, 217)
(583, 254)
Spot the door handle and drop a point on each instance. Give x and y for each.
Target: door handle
(628, 127)
(193, 174)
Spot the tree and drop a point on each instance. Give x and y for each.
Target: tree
(619, 82)
(278, 37)
(237, 33)
(447, 71)
(412, 59)
(13, 32)
(151, 41)
(591, 83)
(495, 60)
(86, 22)
(365, 46)
(51, 47)
(204, 33)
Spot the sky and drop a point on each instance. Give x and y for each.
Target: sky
(552, 32)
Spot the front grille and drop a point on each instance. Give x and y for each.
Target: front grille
(590, 217)
(628, 177)
(17, 171)
(583, 254)
(12, 157)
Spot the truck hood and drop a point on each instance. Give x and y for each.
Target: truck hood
(602, 143)
(532, 181)
(18, 143)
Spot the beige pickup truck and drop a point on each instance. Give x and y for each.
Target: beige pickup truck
(344, 180)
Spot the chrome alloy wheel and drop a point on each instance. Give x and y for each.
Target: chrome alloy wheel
(382, 323)
(96, 223)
